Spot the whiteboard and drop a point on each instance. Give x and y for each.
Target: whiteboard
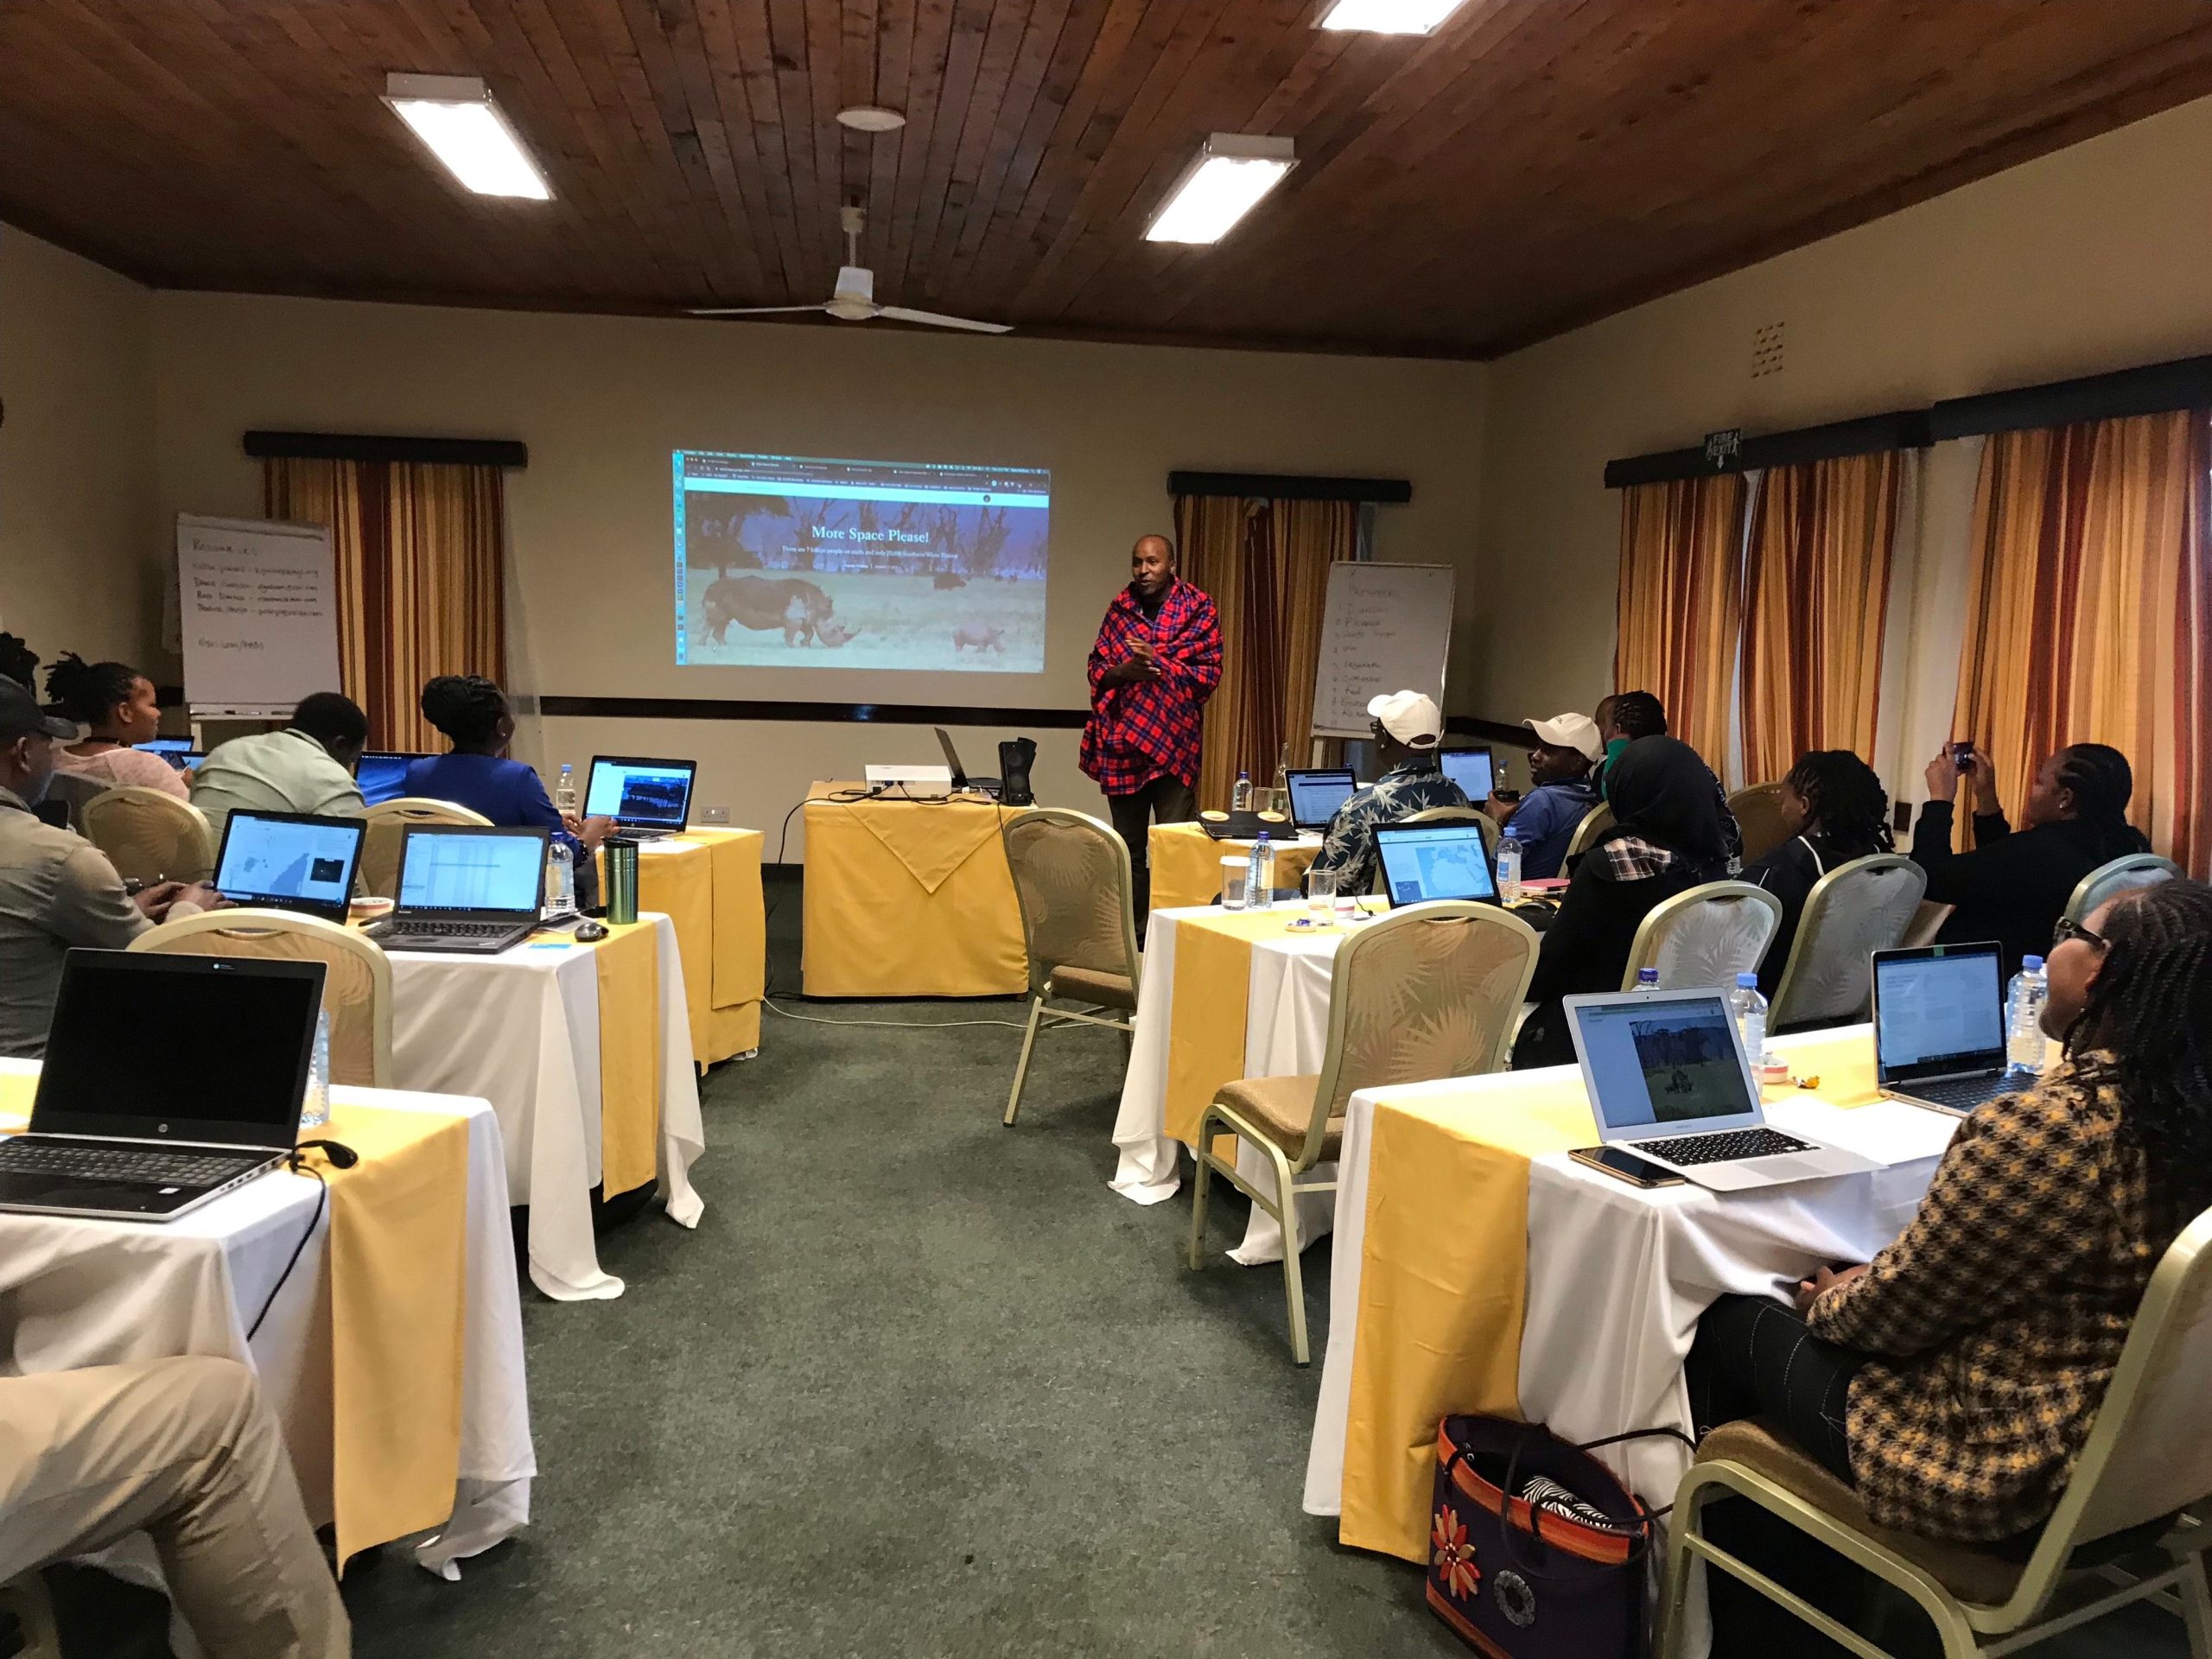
(1387, 627)
(257, 602)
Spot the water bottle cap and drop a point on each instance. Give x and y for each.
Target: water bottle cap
(1747, 982)
(1647, 976)
(2032, 964)
(1263, 838)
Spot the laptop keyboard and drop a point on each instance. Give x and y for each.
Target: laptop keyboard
(1728, 1147)
(152, 1166)
(454, 930)
(1961, 1094)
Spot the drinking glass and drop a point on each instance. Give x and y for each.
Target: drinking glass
(1234, 870)
(1321, 897)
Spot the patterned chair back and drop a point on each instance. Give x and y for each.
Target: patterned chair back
(1595, 823)
(1704, 937)
(1071, 880)
(388, 821)
(150, 836)
(1758, 814)
(1854, 909)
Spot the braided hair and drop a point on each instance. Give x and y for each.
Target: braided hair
(18, 661)
(466, 708)
(87, 692)
(1638, 714)
(1846, 800)
(2145, 1029)
(2103, 783)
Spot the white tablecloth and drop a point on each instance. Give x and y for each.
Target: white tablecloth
(521, 1030)
(1618, 1277)
(78, 1293)
(1285, 1035)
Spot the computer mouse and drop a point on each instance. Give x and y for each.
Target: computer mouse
(589, 932)
(379, 929)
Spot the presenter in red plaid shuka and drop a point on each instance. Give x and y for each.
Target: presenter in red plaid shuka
(1157, 660)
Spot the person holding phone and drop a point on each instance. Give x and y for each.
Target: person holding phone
(2013, 885)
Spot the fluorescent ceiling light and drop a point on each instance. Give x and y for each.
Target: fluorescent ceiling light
(456, 117)
(1226, 182)
(1390, 16)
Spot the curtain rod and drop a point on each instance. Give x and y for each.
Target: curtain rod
(1291, 487)
(345, 446)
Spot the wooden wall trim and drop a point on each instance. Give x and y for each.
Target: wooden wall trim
(887, 714)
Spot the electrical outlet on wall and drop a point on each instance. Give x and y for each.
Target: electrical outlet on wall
(715, 815)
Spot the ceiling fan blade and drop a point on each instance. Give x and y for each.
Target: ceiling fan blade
(937, 319)
(746, 310)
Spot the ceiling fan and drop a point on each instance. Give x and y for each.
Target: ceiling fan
(854, 298)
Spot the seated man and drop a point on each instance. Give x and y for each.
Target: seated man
(183, 1450)
(1408, 729)
(305, 767)
(1543, 820)
(56, 889)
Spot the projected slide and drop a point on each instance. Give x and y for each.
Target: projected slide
(785, 561)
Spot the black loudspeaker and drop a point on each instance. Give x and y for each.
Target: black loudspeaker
(1016, 756)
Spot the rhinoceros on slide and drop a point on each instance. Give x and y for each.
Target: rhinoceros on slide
(975, 636)
(766, 603)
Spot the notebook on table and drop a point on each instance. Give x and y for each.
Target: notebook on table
(289, 860)
(137, 1130)
(1939, 1026)
(466, 890)
(1422, 861)
(647, 799)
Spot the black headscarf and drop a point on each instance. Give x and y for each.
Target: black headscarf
(1661, 793)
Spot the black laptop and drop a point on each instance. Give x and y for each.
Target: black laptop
(1939, 1026)
(1316, 792)
(960, 777)
(135, 1130)
(382, 776)
(645, 798)
(465, 890)
(289, 860)
(1422, 862)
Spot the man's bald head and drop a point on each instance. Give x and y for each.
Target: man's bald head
(1151, 565)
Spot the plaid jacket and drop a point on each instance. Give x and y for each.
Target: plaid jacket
(1998, 1316)
(1144, 729)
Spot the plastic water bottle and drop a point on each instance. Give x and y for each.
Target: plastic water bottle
(560, 878)
(1260, 886)
(1749, 1008)
(1647, 980)
(564, 792)
(315, 1105)
(2023, 1019)
(1508, 869)
(1240, 798)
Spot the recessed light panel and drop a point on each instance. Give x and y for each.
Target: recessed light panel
(1226, 182)
(1390, 16)
(455, 117)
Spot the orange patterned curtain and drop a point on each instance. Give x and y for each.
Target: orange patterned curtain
(1816, 587)
(2087, 612)
(421, 554)
(1681, 597)
(1265, 564)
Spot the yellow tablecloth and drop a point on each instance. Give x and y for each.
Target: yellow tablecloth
(628, 962)
(1444, 1267)
(1213, 983)
(708, 883)
(909, 899)
(1186, 864)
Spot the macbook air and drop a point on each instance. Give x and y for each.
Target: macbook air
(289, 860)
(465, 890)
(960, 777)
(1939, 1026)
(1473, 769)
(383, 776)
(1422, 862)
(1667, 1079)
(137, 1129)
(1316, 794)
(645, 798)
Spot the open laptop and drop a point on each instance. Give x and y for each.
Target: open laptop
(466, 890)
(289, 860)
(171, 749)
(960, 777)
(1939, 1026)
(1667, 1079)
(645, 798)
(1316, 793)
(383, 776)
(1473, 769)
(1422, 862)
(132, 1129)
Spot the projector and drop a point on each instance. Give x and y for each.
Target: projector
(924, 782)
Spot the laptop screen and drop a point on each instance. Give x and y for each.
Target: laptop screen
(654, 794)
(169, 746)
(1434, 861)
(1316, 795)
(1938, 1010)
(1669, 1060)
(452, 867)
(259, 1015)
(288, 859)
(1472, 770)
(383, 776)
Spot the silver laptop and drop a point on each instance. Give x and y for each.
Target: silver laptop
(1667, 1079)
(134, 1129)
(645, 798)
(1422, 862)
(466, 891)
(289, 860)
(1316, 792)
(1939, 1026)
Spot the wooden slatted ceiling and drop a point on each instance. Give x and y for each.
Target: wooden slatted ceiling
(1537, 163)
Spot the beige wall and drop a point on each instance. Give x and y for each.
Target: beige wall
(601, 402)
(2086, 260)
(81, 543)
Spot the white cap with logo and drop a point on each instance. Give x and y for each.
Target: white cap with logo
(1414, 720)
(1570, 731)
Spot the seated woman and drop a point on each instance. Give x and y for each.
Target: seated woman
(473, 713)
(1954, 1378)
(2013, 886)
(1836, 810)
(116, 703)
(1667, 838)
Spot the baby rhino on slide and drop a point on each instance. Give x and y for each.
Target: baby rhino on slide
(975, 637)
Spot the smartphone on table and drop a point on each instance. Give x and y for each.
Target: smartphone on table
(1625, 1166)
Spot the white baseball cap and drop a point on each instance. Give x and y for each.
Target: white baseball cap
(1570, 731)
(1411, 718)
